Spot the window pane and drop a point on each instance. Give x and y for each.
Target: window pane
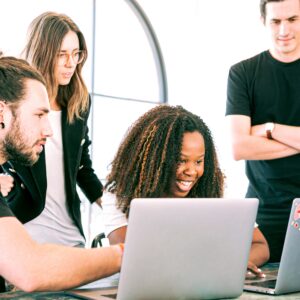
(111, 121)
(124, 63)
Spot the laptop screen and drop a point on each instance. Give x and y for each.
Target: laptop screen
(189, 248)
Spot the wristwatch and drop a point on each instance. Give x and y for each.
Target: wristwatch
(269, 127)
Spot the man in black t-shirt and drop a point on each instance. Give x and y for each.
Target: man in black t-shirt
(24, 128)
(263, 110)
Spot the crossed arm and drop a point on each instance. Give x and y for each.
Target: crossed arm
(251, 143)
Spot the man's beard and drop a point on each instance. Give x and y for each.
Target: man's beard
(15, 149)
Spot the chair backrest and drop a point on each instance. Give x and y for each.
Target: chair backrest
(97, 241)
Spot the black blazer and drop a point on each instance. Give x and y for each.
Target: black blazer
(27, 200)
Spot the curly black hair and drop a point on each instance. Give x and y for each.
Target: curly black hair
(146, 161)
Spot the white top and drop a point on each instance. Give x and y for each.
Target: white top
(113, 217)
(54, 224)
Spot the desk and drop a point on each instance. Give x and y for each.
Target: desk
(99, 294)
(108, 286)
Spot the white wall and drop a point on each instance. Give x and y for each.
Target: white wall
(16, 15)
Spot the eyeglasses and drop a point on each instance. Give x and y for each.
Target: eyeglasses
(77, 57)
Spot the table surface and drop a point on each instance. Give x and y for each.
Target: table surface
(99, 294)
(99, 289)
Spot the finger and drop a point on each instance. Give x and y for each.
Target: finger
(4, 193)
(252, 267)
(5, 190)
(8, 178)
(9, 185)
(260, 274)
(250, 275)
(255, 272)
(5, 186)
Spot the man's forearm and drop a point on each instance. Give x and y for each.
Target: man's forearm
(35, 267)
(70, 267)
(288, 135)
(251, 142)
(260, 148)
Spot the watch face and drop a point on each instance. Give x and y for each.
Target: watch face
(270, 126)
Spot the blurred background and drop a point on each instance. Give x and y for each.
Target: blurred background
(145, 52)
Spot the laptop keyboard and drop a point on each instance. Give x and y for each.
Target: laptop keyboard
(112, 296)
(272, 273)
(267, 284)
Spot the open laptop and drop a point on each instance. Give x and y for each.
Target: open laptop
(285, 278)
(186, 248)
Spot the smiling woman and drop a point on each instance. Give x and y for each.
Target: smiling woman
(168, 152)
(190, 167)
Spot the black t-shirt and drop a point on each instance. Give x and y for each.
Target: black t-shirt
(268, 90)
(4, 209)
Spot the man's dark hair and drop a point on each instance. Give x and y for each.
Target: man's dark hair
(263, 4)
(13, 73)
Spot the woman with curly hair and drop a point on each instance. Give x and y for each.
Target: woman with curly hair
(167, 152)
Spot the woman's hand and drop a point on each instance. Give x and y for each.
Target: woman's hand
(253, 271)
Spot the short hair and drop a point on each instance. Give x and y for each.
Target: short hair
(263, 4)
(146, 162)
(13, 74)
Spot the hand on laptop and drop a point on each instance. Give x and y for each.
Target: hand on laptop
(253, 271)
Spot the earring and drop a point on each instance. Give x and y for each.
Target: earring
(2, 125)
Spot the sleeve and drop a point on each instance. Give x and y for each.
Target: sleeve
(4, 209)
(19, 198)
(87, 180)
(113, 217)
(238, 91)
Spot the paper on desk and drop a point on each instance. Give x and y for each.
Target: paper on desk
(111, 281)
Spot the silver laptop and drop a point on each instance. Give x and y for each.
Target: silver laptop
(186, 248)
(284, 277)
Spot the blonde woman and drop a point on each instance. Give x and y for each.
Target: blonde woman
(57, 48)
